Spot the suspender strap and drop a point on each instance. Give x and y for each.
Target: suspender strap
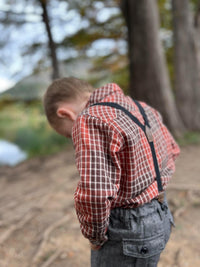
(117, 106)
(143, 113)
(158, 178)
(146, 129)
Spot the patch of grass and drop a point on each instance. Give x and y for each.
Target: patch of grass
(189, 138)
(38, 140)
(26, 125)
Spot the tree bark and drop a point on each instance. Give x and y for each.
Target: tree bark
(51, 43)
(149, 80)
(187, 63)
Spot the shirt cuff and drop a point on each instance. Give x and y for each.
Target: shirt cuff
(99, 242)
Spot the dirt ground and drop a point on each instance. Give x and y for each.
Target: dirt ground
(38, 224)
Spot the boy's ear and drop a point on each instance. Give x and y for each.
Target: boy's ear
(65, 113)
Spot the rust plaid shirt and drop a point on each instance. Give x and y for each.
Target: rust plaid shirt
(114, 159)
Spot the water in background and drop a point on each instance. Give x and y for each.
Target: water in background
(10, 154)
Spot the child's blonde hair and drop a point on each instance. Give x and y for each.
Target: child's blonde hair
(64, 89)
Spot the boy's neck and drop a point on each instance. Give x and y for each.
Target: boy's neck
(81, 102)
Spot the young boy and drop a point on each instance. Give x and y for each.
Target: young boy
(125, 156)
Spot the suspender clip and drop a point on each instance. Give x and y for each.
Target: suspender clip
(148, 133)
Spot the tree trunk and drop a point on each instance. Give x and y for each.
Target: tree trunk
(149, 80)
(187, 68)
(51, 43)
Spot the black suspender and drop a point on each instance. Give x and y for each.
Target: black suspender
(146, 129)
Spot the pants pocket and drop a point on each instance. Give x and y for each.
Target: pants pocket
(144, 248)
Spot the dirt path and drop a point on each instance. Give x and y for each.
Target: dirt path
(39, 228)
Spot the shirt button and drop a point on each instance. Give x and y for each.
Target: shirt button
(144, 250)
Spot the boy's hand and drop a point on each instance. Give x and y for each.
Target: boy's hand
(94, 247)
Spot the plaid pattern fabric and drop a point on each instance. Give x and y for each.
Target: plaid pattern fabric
(114, 159)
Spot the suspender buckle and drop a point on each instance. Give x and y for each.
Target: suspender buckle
(161, 197)
(148, 133)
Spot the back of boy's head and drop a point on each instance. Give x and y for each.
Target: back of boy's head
(63, 90)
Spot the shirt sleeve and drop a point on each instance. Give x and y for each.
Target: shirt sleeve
(173, 146)
(97, 146)
(172, 152)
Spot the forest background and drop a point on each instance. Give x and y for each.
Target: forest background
(147, 47)
(151, 48)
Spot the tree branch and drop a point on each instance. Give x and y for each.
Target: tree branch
(10, 12)
(46, 235)
(12, 21)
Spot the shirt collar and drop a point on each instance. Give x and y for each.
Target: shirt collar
(101, 93)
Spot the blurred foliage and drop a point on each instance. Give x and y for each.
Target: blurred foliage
(194, 5)
(189, 138)
(26, 91)
(26, 125)
(113, 28)
(165, 14)
(114, 68)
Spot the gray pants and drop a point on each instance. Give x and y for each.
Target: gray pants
(136, 237)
